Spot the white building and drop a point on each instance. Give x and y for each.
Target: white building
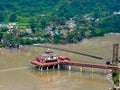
(71, 23)
(116, 12)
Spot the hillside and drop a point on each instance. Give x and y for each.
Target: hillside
(92, 17)
(25, 9)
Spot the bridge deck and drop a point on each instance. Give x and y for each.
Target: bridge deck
(72, 63)
(84, 64)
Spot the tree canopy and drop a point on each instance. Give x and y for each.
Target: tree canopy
(92, 17)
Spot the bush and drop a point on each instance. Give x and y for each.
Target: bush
(115, 76)
(2, 45)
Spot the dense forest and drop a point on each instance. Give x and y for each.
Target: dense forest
(92, 18)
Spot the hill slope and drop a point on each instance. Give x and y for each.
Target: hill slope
(92, 17)
(25, 9)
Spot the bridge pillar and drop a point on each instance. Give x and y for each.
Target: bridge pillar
(69, 68)
(81, 69)
(47, 67)
(32, 66)
(41, 69)
(92, 70)
(58, 66)
(53, 67)
(66, 67)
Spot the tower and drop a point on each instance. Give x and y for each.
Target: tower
(115, 54)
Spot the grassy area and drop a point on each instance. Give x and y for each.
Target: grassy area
(23, 25)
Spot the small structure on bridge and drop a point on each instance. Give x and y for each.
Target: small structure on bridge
(49, 60)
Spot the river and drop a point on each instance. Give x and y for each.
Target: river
(16, 74)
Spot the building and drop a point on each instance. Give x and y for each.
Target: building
(71, 23)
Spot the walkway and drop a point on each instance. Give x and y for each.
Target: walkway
(84, 64)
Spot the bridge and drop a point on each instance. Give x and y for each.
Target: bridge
(85, 64)
(63, 63)
(50, 59)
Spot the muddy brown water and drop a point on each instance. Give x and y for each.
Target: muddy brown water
(16, 74)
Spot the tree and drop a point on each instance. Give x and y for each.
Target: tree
(1, 35)
(71, 37)
(88, 33)
(3, 29)
(13, 17)
(2, 17)
(98, 32)
(33, 25)
(58, 20)
(43, 23)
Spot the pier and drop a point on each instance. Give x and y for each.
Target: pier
(50, 60)
(68, 64)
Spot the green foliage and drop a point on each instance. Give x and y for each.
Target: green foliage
(115, 76)
(2, 17)
(92, 18)
(72, 37)
(2, 45)
(33, 25)
(28, 42)
(24, 10)
(13, 17)
(3, 29)
(98, 32)
(1, 35)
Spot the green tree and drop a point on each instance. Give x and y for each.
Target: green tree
(2, 17)
(13, 17)
(8, 37)
(3, 29)
(98, 32)
(1, 35)
(43, 23)
(33, 25)
(71, 37)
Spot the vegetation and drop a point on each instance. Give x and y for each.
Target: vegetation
(92, 18)
(115, 75)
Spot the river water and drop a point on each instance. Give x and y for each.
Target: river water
(16, 74)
